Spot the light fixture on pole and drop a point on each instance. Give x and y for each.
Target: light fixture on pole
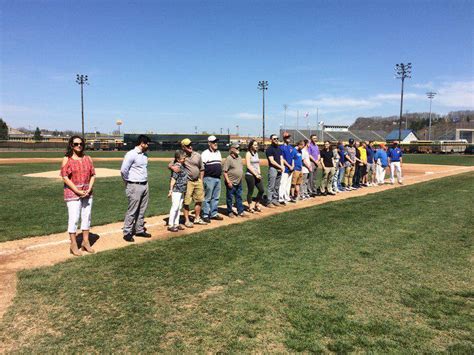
(430, 96)
(81, 80)
(263, 85)
(403, 71)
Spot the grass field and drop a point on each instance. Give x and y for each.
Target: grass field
(389, 272)
(35, 206)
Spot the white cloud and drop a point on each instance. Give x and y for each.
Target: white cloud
(429, 85)
(333, 101)
(458, 94)
(247, 116)
(396, 97)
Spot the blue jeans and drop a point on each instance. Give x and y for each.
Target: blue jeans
(340, 178)
(236, 191)
(212, 192)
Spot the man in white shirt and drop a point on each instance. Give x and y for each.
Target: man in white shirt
(212, 160)
(135, 176)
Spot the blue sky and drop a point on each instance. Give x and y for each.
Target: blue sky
(168, 66)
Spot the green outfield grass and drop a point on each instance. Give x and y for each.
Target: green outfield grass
(389, 272)
(35, 206)
(439, 159)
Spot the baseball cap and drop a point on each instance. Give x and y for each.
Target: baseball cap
(212, 139)
(186, 141)
(286, 135)
(351, 140)
(235, 145)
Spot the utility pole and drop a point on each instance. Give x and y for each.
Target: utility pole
(430, 96)
(263, 85)
(81, 80)
(297, 119)
(285, 107)
(237, 127)
(403, 71)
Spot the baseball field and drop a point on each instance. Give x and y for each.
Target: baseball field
(384, 269)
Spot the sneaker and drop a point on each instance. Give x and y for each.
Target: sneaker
(143, 235)
(200, 222)
(242, 214)
(275, 203)
(128, 238)
(217, 217)
(206, 219)
(283, 203)
(180, 227)
(189, 224)
(173, 229)
(231, 215)
(332, 193)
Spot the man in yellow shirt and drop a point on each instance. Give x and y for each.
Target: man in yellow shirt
(363, 163)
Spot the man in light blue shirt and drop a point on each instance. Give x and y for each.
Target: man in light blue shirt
(135, 176)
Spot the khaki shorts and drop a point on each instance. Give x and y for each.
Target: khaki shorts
(297, 178)
(194, 192)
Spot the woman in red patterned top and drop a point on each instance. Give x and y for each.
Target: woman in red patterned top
(78, 174)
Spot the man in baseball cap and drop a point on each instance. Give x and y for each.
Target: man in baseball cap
(212, 160)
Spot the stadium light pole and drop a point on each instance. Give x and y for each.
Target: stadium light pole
(403, 71)
(285, 107)
(263, 85)
(81, 80)
(430, 96)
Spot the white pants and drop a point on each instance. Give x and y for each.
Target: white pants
(395, 166)
(285, 187)
(79, 209)
(176, 205)
(379, 174)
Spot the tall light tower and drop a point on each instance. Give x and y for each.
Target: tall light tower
(81, 80)
(430, 96)
(403, 71)
(285, 107)
(263, 85)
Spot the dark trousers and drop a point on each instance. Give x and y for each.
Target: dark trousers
(253, 182)
(235, 190)
(357, 176)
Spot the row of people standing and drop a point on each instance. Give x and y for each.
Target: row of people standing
(197, 179)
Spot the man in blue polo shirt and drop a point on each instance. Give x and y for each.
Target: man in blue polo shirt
(395, 161)
(381, 163)
(287, 152)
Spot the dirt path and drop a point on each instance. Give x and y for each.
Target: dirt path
(48, 250)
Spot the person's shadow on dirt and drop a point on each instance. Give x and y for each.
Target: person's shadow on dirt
(92, 239)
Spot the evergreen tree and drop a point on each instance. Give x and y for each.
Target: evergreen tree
(3, 130)
(37, 135)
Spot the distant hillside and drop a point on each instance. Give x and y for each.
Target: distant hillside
(443, 127)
